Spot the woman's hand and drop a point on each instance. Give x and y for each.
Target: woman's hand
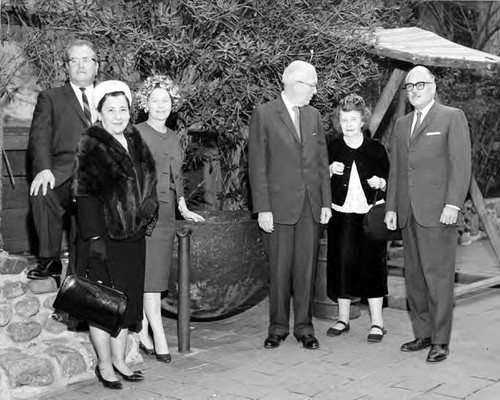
(376, 183)
(188, 215)
(336, 168)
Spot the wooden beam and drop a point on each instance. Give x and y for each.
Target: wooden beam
(390, 89)
(478, 200)
(473, 287)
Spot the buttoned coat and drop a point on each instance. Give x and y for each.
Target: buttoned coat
(57, 126)
(431, 168)
(284, 168)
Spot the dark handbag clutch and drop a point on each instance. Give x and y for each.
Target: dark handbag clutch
(94, 302)
(374, 225)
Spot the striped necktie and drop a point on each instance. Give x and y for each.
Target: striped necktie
(86, 107)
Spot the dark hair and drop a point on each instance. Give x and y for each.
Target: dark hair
(352, 102)
(111, 94)
(78, 43)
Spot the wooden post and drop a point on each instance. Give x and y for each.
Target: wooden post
(390, 89)
(478, 200)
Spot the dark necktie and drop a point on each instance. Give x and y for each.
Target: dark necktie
(417, 124)
(296, 120)
(86, 107)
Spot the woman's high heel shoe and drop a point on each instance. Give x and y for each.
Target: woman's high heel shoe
(105, 383)
(166, 358)
(145, 350)
(136, 376)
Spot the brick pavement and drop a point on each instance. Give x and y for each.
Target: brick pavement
(228, 362)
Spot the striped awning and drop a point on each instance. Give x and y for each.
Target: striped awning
(418, 46)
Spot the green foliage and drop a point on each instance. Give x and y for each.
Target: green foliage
(228, 56)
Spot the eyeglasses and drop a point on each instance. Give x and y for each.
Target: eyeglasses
(419, 85)
(311, 85)
(84, 60)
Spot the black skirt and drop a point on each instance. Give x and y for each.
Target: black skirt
(126, 265)
(356, 265)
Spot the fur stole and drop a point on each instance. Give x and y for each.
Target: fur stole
(105, 170)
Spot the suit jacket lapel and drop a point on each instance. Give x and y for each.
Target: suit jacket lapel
(286, 119)
(73, 101)
(428, 118)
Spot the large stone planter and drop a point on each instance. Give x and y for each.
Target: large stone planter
(229, 268)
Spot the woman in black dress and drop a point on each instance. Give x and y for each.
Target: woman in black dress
(115, 190)
(356, 265)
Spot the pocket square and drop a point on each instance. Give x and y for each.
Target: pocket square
(432, 133)
(314, 133)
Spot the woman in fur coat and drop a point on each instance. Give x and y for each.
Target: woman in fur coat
(115, 190)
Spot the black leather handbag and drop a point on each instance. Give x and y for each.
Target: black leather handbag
(374, 225)
(91, 301)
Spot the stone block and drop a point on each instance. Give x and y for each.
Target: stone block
(70, 361)
(27, 370)
(27, 307)
(41, 286)
(23, 331)
(5, 313)
(5, 393)
(10, 264)
(13, 289)
(53, 326)
(49, 300)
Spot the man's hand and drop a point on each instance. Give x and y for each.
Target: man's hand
(449, 215)
(391, 220)
(266, 221)
(43, 178)
(326, 214)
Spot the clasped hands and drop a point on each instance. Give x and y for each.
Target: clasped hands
(375, 182)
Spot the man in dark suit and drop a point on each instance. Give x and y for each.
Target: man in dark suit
(428, 181)
(60, 116)
(288, 168)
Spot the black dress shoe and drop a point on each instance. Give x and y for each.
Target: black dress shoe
(438, 352)
(273, 341)
(166, 358)
(47, 268)
(145, 350)
(309, 342)
(105, 383)
(416, 345)
(337, 332)
(376, 337)
(136, 376)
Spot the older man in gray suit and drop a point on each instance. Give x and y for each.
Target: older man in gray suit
(428, 181)
(288, 166)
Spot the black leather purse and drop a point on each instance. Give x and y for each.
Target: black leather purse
(91, 301)
(374, 225)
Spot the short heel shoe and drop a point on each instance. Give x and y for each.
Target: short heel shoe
(136, 376)
(105, 383)
(145, 350)
(337, 332)
(166, 358)
(376, 337)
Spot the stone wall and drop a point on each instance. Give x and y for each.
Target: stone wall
(38, 354)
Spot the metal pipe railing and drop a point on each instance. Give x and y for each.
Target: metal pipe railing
(184, 306)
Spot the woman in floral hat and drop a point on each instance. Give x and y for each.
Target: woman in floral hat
(157, 96)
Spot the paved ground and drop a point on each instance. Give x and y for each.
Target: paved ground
(228, 362)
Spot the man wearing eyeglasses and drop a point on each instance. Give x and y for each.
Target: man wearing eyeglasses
(61, 114)
(428, 181)
(288, 169)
